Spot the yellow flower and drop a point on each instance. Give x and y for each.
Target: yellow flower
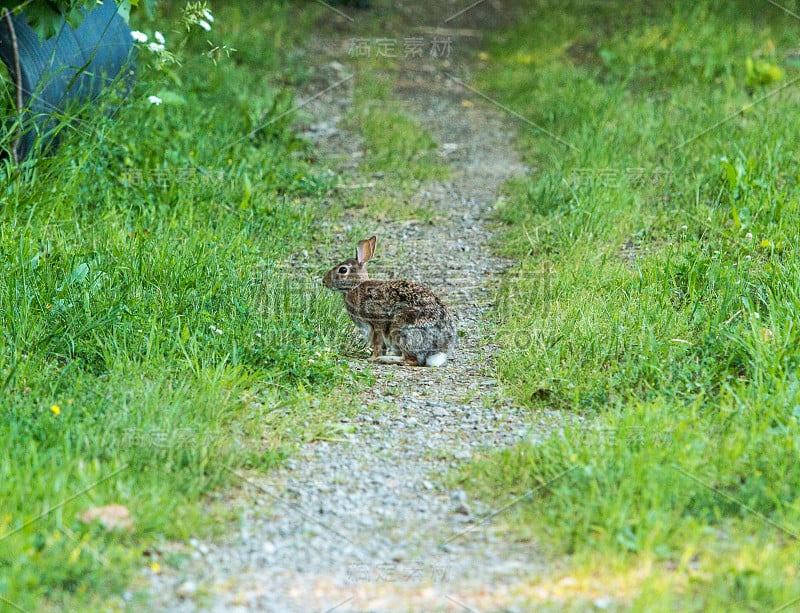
(55, 409)
(155, 567)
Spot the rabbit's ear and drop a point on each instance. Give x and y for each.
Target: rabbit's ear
(364, 250)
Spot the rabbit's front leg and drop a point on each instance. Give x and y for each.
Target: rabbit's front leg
(377, 344)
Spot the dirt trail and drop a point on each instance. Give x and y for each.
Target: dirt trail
(363, 524)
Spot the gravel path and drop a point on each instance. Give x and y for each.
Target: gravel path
(364, 524)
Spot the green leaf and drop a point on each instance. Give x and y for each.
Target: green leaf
(731, 173)
(124, 9)
(46, 17)
(79, 273)
(75, 17)
(761, 72)
(43, 19)
(735, 215)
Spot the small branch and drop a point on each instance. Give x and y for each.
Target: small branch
(17, 81)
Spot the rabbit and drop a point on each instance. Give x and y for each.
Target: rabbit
(394, 316)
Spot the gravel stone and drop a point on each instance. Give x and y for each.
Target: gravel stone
(187, 589)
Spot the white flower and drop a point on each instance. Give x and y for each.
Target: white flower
(209, 17)
(139, 37)
(154, 100)
(159, 37)
(155, 47)
(205, 25)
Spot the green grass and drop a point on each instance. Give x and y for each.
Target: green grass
(394, 142)
(398, 144)
(399, 153)
(6, 92)
(657, 296)
(160, 323)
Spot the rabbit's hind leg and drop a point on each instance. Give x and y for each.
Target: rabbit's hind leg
(389, 359)
(411, 360)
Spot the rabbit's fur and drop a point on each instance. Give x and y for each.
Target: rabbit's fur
(395, 316)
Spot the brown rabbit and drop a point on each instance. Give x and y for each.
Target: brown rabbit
(395, 316)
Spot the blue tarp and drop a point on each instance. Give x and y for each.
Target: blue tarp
(66, 71)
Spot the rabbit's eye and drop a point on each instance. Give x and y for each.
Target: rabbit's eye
(342, 270)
